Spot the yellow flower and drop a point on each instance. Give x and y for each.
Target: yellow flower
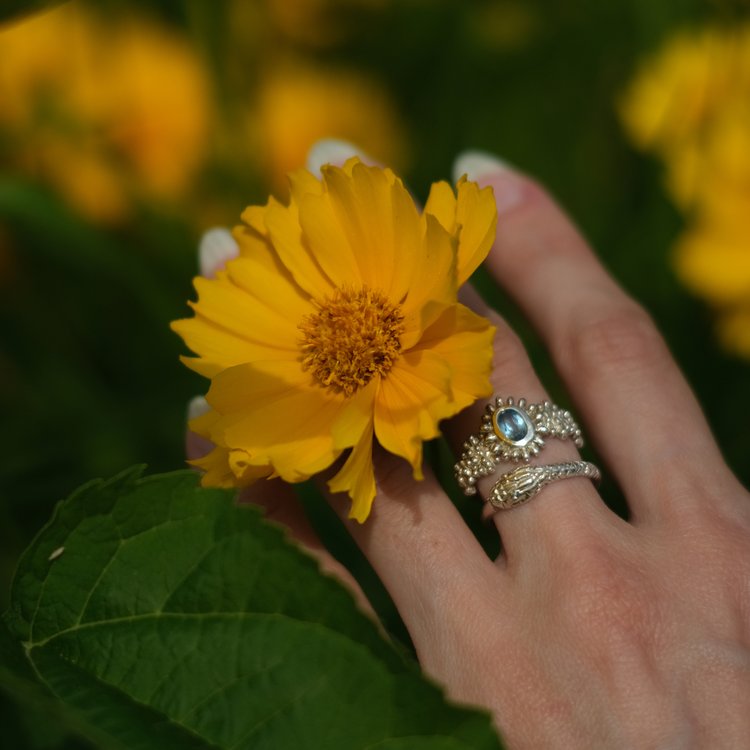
(338, 323)
(690, 105)
(714, 262)
(298, 103)
(677, 89)
(734, 330)
(105, 111)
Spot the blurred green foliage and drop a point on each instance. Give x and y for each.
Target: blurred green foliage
(90, 380)
(12, 9)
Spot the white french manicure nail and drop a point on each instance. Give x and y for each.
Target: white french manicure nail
(197, 407)
(478, 164)
(195, 445)
(333, 151)
(486, 169)
(217, 246)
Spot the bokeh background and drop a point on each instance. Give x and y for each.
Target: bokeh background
(129, 128)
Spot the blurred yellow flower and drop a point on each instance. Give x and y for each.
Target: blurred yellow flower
(339, 323)
(734, 330)
(714, 262)
(104, 110)
(299, 103)
(676, 91)
(690, 105)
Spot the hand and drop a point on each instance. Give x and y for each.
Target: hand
(588, 631)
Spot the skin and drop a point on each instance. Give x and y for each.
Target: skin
(588, 631)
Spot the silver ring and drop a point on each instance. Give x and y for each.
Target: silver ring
(518, 486)
(512, 432)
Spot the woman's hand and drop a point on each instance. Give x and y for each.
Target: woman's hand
(588, 631)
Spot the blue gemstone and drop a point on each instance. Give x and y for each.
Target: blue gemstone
(512, 424)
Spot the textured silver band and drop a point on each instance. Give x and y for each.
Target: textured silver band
(518, 486)
(512, 432)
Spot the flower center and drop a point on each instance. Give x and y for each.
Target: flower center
(354, 335)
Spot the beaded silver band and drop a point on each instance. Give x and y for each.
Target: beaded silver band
(518, 486)
(512, 432)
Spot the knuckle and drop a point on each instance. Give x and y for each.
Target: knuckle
(720, 543)
(607, 598)
(622, 338)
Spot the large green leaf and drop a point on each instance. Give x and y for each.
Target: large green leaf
(30, 715)
(165, 616)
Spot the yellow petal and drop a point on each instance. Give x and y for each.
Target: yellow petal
(273, 411)
(220, 349)
(255, 219)
(355, 416)
(441, 203)
(476, 218)
(433, 287)
(204, 423)
(233, 325)
(244, 470)
(471, 217)
(377, 228)
(324, 235)
(302, 183)
(357, 477)
(403, 406)
(235, 310)
(273, 290)
(464, 340)
(225, 468)
(252, 241)
(286, 235)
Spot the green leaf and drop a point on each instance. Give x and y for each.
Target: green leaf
(12, 8)
(165, 616)
(30, 715)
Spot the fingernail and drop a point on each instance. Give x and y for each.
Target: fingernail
(487, 169)
(217, 246)
(333, 151)
(195, 445)
(197, 407)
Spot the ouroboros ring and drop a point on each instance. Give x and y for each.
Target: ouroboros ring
(518, 486)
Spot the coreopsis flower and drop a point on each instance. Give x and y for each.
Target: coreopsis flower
(337, 325)
(299, 102)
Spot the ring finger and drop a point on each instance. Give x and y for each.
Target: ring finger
(572, 505)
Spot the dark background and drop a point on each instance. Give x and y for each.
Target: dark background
(90, 381)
